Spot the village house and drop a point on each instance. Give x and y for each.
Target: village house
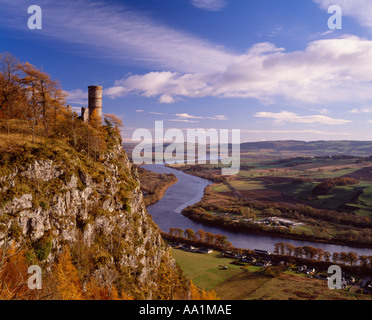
(306, 270)
(249, 259)
(204, 250)
(264, 263)
(281, 222)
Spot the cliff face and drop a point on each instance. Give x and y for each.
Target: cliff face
(52, 196)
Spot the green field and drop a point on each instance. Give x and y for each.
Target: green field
(363, 206)
(342, 195)
(254, 283)
(241, 185)
(205, 269)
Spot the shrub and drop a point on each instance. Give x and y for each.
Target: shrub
(42, 248)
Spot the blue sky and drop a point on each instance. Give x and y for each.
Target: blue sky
(271, 68)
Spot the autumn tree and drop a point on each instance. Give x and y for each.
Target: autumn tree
(343, 257)
(178, 232)
(95, 291)
(320, 254)
(335, 257)
(352, 258)
(200, 294)
(363, 260)
(66, 278)
(13, 274)
(310, 252)
(290, 248)
(201, 234)
(95, 119)
(298, 252)
(209, 237)
(189, 234)
(9, 82)
(171, 231)
(279, 248)
(113, 122)
(221, 240)
(45, 97)
(327, 256)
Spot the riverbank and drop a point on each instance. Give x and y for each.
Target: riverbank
(154, 185)
(251, 229)
(233, 220)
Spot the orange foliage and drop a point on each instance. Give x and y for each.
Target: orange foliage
(200, 294)
(327, 186)
(67, 279)
(69, 285)
(97, 292)
(13, 274)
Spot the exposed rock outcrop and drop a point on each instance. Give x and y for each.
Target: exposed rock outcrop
(96, 205)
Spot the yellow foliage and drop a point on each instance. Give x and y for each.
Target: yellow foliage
(200, 294)
(68, 282)
(96, 292)
(13, 274)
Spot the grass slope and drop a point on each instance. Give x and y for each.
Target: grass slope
(254, 283)
(205, 269)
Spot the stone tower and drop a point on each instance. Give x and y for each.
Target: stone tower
(84, 114)
(95, 100)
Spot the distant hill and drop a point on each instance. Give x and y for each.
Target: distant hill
(299, 148)
(312, 148)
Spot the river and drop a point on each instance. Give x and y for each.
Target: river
(189, 190)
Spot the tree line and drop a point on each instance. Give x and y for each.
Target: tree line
(311, 253)
(200, 236)
(281, 248)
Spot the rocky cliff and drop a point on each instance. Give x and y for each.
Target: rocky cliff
(51, 196)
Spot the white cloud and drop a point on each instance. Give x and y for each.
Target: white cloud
(189, 116)
(354, 111)
(185, 117)
(157, 113)
(327, 71)
(210, 5)
(290, 117)
(77, 94)
(114, 92)
(358, 9)
(166, 98)
(324, 111)
(102, 29)
(362, 110)
(140, 110)
(76, 109)
(183, 120)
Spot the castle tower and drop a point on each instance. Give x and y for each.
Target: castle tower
(95, 100)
